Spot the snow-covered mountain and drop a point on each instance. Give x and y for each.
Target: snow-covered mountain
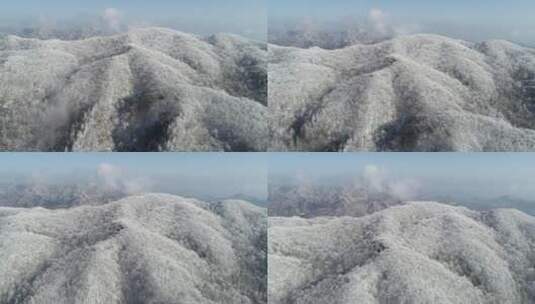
(410, 93)
(419, 252)
(150, 89)
(152, 248)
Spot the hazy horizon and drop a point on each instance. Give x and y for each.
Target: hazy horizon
(460, 176)
(204, 17)
(474, 21)
(200, 175)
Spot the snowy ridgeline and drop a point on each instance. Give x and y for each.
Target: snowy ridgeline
(149, 89)
(418, 252)
(408, 93)
(152, 248)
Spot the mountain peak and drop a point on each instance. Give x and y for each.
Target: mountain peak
(420, 252)
(87, 95)
(447, 95)
(101, 252)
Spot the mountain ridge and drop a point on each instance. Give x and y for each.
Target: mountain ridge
(145, 248)
(418, 252)
(417, 92)
(146, 90)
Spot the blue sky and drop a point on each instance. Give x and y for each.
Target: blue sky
(485, 175)
(196, 174)
(467, 19)
(466, 10)
(246, 17)
(477, 174)
(143, 8)
(425, 164)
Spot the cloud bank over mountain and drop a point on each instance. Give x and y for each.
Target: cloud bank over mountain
(108, 183)
(115, 178)
(375, 189)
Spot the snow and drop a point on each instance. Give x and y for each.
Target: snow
(418, 252)
(151, 89)
(409, 93)
(147, 248)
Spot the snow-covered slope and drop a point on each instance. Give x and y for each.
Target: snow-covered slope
(153, 248)
(326, 36)
(147, 90)
(410, 93)
(420, 252)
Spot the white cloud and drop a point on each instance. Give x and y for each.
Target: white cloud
(379, 21)
(115, 178)
(378, 180)
(404, 189)
(374, 177)
(110, 175)
(382, 24)
(113, 18)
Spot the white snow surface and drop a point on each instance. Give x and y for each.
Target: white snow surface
(419, 252)
(151, 89)
(418, 92)
(152, 248)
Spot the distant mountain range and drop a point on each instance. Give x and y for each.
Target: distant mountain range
(357, 199)
(418, 252)
(150, 89)
(70, 32)
(318, 200)
(54, 196)
(151, 248)
(89, 192)
(479, 203)
(326, 36)
(408, 93)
